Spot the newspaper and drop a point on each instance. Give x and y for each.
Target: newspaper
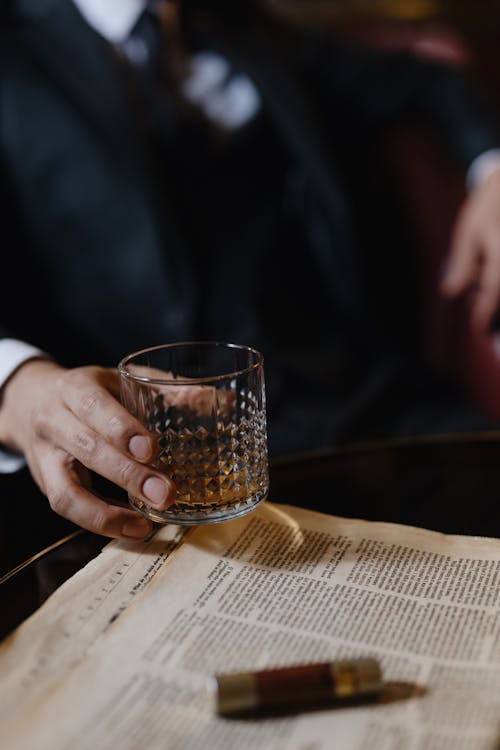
(280, 586)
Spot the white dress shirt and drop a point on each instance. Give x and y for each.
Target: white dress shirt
(229, 100)
(13, 353)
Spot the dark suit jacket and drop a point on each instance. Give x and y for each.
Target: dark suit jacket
(101, 264)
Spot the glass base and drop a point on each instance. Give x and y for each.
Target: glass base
(191, 515)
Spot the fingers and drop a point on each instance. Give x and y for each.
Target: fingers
(68, 498)
(474, 262)
(93, 450)
(88, 423)
(202, 399)
(462, 264)
(487, 297)
(74, 414)
(90, 400)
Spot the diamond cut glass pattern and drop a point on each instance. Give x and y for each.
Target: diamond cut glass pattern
(210, 426)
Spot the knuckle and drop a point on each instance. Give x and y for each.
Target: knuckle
(64, 380)
(100, 522)
(127, 471)
(40, 424)
(60, 502)
(86, 444)
(118, 426)
(89, 402)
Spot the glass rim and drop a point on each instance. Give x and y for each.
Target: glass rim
(122, 364)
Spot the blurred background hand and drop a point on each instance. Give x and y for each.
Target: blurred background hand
(474, 261)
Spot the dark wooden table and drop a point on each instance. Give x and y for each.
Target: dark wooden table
(449, 484)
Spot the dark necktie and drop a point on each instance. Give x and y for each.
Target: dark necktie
(151, 59)
(154, 49)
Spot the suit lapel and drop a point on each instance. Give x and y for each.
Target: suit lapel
(79, 65)
(79, 62)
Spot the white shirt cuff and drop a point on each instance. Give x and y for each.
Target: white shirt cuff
(12, 354)
(481, 168)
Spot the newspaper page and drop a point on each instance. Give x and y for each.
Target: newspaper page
(57, 636)
(285, 586)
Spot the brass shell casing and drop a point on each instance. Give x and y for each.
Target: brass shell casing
(296, 687)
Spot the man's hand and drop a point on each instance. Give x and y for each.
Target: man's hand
(70, 422)
(474, 261)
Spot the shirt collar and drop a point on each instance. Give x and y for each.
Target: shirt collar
(113, 19)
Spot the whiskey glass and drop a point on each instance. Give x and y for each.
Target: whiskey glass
(204, 401)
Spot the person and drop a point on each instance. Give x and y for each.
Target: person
(196, 171)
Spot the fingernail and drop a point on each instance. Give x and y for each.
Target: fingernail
(137, 529)
(156, 490)
(140, 447)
